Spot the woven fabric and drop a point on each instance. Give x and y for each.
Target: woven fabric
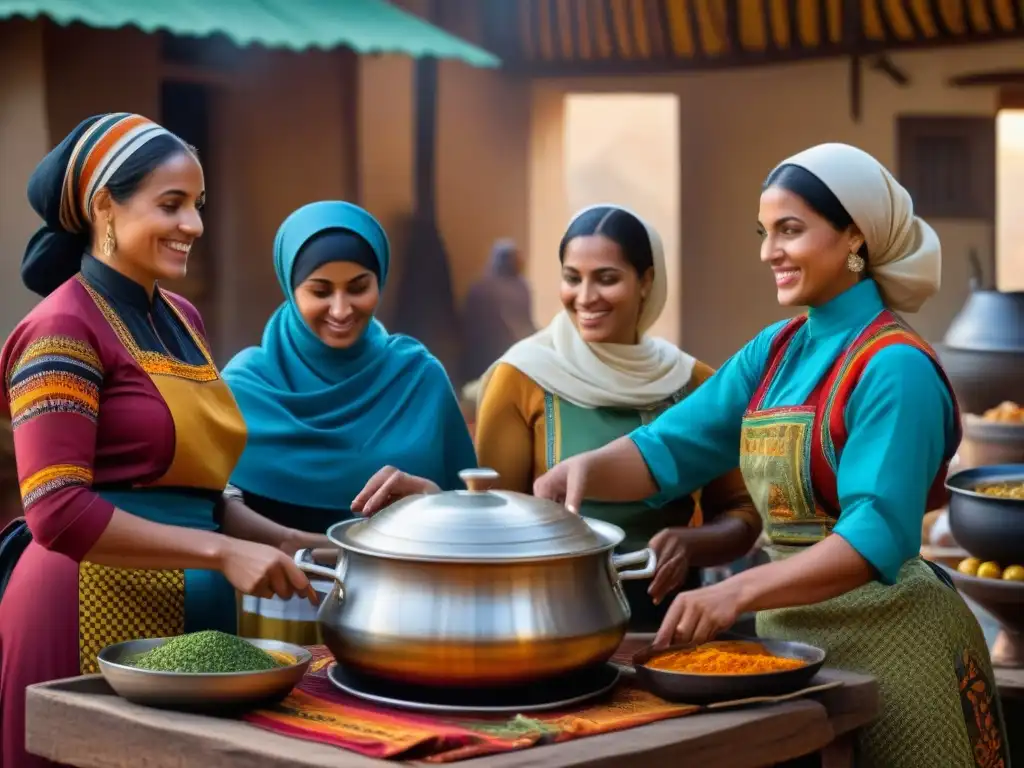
(924, 646)
(118, 604)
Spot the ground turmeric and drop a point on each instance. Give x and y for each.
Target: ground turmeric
(723, 658)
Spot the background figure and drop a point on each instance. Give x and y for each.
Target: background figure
(497, 312)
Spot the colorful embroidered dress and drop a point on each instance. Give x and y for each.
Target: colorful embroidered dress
(115, 402)
(844, 423)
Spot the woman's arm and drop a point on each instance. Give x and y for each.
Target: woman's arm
(504, 436)
(731, 523)
(686, 447)
(240, 521)
(900, 420)
(54, 377)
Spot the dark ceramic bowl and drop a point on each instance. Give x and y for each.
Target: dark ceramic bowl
(988, 527)
(706, 689)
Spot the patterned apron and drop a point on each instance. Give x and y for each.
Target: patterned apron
(117, 604)
(571, 430)
(918, 638)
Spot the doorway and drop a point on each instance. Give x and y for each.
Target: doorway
(623, 148)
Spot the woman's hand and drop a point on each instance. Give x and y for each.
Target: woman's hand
(699, 615)
(294, 540)
(388, 486)
(565, 483)
(673, 561)
(263, 571)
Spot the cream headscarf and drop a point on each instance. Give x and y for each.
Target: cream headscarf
(904, 256)
(605, 375)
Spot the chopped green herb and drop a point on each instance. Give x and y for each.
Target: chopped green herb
(207, 651)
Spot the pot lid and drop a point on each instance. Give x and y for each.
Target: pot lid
(475, 524)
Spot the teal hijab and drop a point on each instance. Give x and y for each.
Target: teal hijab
(322, 421)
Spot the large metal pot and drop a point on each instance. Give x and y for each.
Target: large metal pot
(983, 350)
(475, 588)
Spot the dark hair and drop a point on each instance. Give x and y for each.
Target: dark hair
(620, 227)
(332, 245)
(54, 255)
(814, 192)
(129, 177)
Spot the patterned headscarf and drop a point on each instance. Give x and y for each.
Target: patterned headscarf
(62, 188)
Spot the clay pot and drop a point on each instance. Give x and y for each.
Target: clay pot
(983, 350)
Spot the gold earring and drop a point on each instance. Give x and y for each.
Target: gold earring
(109, 242)
(855, 263)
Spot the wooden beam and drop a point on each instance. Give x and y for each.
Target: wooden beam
(856, 88)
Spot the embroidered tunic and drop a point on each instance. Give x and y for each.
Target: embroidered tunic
(115, 403)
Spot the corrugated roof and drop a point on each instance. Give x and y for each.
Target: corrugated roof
(560, 36)
(367, 26)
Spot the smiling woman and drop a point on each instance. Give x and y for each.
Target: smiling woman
(335, 395)
(124, 433)
(594, 375)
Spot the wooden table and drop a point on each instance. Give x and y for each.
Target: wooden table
(81, 722)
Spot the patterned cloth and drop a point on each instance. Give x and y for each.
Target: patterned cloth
(316, 711)
(917, 637)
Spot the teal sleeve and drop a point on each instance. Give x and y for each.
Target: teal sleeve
(698, 439)
(900, 422)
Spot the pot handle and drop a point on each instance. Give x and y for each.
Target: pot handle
(304, 559)
(645, 556)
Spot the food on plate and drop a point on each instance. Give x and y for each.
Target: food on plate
(1006, 412)
(990, 570)
(723, 658)
(972, 566)
(206, 652)
(1014, 573)
(1014, 490)
(969, 566)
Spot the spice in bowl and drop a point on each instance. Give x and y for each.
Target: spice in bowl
(723, 658)
(206, 652)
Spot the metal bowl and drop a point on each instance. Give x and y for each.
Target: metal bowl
(217, 692)
(704, 689)
(988, 527)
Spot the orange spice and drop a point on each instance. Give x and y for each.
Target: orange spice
(724, 658)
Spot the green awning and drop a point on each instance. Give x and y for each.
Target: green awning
(366, 26)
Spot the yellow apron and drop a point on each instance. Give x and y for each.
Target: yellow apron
(117, 604)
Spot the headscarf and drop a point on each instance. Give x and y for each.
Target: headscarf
(606, 375)
(497, 312)
(62, 188)
(904, 255)
(322, 421)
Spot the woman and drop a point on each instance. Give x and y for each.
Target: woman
(124, 433)
(498, 311)
(592, 376)
(334, 393)
(842, 421)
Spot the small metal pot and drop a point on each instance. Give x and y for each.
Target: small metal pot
(475, 588)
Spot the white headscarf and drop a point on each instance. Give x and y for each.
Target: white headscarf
(904, 255)
(605, 375)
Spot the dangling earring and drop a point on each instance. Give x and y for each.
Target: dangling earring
(109, 243)
(855, 263)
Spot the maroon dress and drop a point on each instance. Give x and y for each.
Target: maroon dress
(115, 402)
